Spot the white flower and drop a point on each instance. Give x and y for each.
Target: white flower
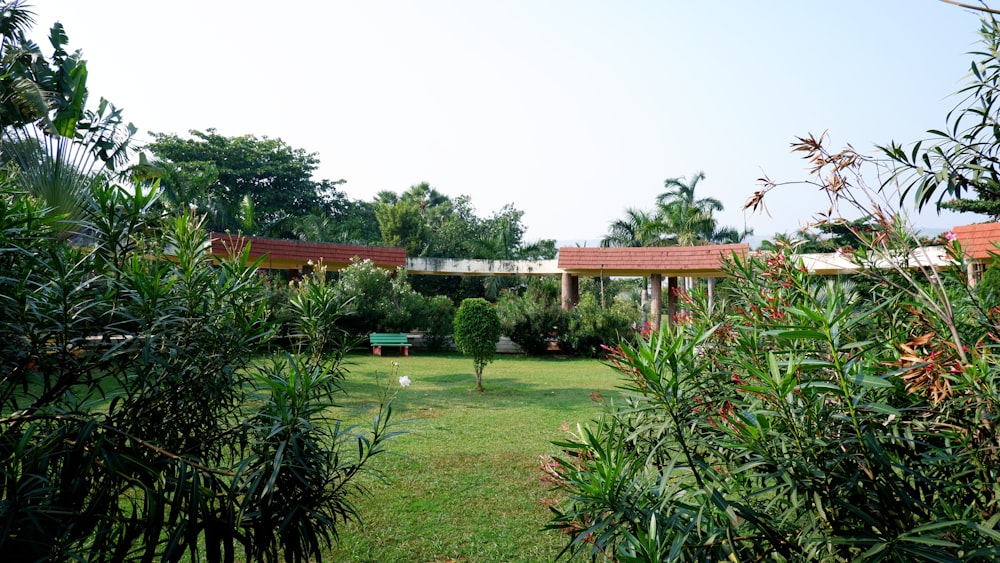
(395, 364)
(404, 380)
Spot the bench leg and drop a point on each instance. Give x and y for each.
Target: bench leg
(377, 350)
(406, 350)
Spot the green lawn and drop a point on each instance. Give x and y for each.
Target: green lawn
(465, 483)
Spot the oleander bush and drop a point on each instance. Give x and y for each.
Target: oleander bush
(806, 418)
(135, 422)
(806, 423)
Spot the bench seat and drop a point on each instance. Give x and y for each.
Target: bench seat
(390, 339)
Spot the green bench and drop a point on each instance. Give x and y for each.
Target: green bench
(392, 339)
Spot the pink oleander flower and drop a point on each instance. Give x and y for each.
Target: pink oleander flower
(950, 236)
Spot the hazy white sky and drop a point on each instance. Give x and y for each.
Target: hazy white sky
(572, 110)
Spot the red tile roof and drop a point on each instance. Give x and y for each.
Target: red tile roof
(688, 261)
(979, 241)
(289, 254)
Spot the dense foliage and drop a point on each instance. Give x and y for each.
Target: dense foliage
(246, 182)
(592, 328)
(534, 319)
(806, 418)
(813, 419)
(807, 422)
(49, 131)
(133, 425)
(378, 300)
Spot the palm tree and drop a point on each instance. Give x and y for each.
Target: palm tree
(684, 219)
(636, 229)
(681, 218)
(425, 197)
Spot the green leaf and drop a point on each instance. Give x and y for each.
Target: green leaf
(819, 385)
(871, 381)
(853, 345)
(929, 541)
(799, 334)
(880, 408)
(814, 316)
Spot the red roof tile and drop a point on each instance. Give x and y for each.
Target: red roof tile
(690, 261)
(287, 254)
(979, 241)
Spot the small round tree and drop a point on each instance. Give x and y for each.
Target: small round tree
(477, 331)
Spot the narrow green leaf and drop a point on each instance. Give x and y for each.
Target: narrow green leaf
(871, 381)
(880, 408)
(819, 385)
(799, 334)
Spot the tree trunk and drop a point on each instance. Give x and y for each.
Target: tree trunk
(479, 380)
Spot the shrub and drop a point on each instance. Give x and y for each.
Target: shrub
(809, 424)
(477, 331)
(591, 327)
(315, 317)
(377, 300)
(365, 289)
(133, 424)
(534, 319)
(808, 419)
(435, 317)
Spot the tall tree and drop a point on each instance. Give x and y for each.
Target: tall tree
(633, 230)
(429, 223)
(276, 177)
(680, 218)
(684, 218)
(402, 225)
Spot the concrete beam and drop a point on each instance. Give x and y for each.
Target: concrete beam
(456, 267)
(835, 263)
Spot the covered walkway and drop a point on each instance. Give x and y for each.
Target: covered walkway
(672, 262)
(656, 263)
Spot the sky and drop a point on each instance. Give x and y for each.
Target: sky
(571, 110)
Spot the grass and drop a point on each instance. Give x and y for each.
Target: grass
(462, 483)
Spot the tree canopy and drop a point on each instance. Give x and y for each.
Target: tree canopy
(680, 218)
(228, 177)
(429, 223)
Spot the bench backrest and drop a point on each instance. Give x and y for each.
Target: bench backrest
(387, 338)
